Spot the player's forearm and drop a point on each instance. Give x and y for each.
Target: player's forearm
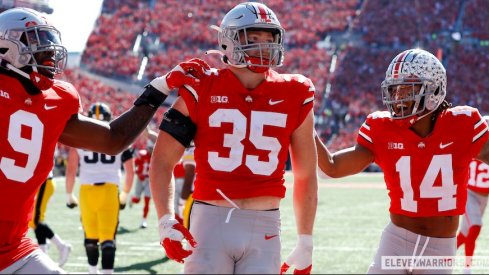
(162, 191)
(128, 182)
(70, 183)
(325, 159)
(305, 204)
(127, 127)
(70, 176)
(129, 176)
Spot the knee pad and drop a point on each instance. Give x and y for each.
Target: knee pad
(108, 254)
(91, 247)
(43, 232)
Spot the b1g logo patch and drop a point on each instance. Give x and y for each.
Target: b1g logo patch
(219, 99)
(4, 94)
(395, 145)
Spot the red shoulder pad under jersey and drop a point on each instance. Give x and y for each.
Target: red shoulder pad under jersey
(371, 128)
(478, 176)
(305, 89)
(193, 94)
(471, 122)
(67, 90)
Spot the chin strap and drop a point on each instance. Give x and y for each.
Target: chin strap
(225, 59)
(408, 122)
(40, 81)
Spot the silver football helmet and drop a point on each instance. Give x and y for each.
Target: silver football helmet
(415, 67)
(242, 19)
(25, 33)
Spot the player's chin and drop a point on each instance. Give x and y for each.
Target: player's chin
(401, 111)
(47, 72)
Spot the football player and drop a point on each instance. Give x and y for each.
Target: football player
(142, 161)
(243, 119)
(41, 229)
(100, 201)
(37, 112)
(478, 185)
(424, 146)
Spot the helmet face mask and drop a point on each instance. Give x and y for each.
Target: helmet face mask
(234, 37)
(44, 44)
(421, 77)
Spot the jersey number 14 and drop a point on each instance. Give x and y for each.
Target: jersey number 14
(446, 193)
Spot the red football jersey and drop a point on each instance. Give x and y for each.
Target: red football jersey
(30, 126)
(243, 136)
(478, 176)
(426, 176)
(142, 163)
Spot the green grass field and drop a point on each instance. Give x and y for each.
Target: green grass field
(351, 215)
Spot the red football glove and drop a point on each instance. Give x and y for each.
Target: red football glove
(196, 67)
(300, 257)
(179, 76)
(179, 219)
(171, 235)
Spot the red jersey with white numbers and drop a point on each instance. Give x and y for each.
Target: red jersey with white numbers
(426, 176)
(478, 176)
(142, 164)
(30, 126)
(243, 136)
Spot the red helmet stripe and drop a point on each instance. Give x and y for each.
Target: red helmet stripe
(397, 65)
(262, 12)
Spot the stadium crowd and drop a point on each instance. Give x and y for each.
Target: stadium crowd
(129, 30)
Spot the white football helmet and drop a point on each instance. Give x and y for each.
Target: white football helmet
(25, 33)
(245, 17)
(415, 67)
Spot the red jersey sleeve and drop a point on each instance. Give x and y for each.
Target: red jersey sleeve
(191, 94)
(68, 90)
(308, 97)
(480, 134)
(367, 133)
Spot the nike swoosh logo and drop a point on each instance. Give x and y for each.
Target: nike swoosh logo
(443, 146)
(271, 102)
(268, 237)
(47, 108)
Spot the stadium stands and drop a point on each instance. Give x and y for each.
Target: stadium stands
(363, 37)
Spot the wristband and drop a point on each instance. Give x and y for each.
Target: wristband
(151, 97)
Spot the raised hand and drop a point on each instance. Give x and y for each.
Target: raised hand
(185, 73)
